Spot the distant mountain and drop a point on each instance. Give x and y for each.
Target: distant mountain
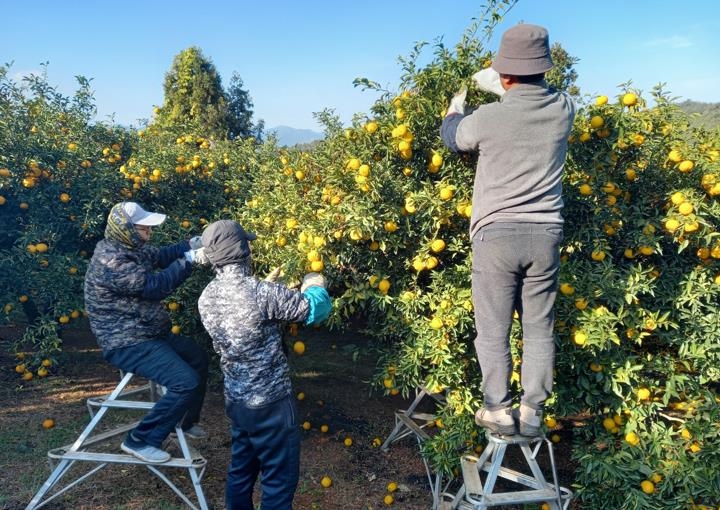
(705, 114)
(287, 136)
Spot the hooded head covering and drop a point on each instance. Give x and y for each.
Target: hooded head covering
(122, 220)
(226, 242)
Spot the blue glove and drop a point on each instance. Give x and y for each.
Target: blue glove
(196, 243)
(190, 256)
(320, 305)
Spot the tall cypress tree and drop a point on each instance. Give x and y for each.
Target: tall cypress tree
(194, 97)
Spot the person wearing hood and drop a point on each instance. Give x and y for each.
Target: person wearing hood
(125, 283)
(243, 315)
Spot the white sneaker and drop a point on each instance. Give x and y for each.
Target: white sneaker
(146, 453)
(499, 421)
(529, 421)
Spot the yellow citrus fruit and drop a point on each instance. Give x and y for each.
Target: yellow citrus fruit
(317, 266)
(629, 99)
(609, 423)
(550, 422)
(348, 441)
(172, 305)
(581, 303)
(672, 225)
(598, 255)
(306, 425)
(437, 245)
(388, 383)
(42, 372)
(390, 226)
(585, 189)
(392, 487)
(384, 286)
(685, 208)
(20, 368)
(436, 323)
(41, 247)
(326, 481)
(46, 363)
(23, 298)
(596, 367)
(299, 347)
(643, 393)
(675, 156)
(388, 500)
(27, 376)
(64, 198)
(353, 164)
(324, 428)
(647, 486)
(371, 127)
(601, 100)
(48, 423)
(175, 330)
(567, 289)
(301, 395)
(632, 439)
(579, 338)
(597, 122)
(677, 198)
(436, 159)
(686, 434)
(63, 319)
(446, 193)
(686, 165)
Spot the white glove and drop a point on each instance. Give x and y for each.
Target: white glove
(312, 280)
(488, 80)
(457, 103)
(200, 257)
(196, 243)
(273, 275)
(197, 256)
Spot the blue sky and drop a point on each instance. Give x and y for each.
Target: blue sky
(299, 57)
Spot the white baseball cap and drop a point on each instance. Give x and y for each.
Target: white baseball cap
(139, 216)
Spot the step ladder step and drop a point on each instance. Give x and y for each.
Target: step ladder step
(124, 404)
(121, 458)
(511, 498)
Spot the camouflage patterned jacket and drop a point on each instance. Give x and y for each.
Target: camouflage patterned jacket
(124, 288)
(243, 316)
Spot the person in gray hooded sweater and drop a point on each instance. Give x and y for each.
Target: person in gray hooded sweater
(516, 225)
(125, 283)
(243, 315)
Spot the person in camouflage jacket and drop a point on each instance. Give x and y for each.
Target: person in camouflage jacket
(243, 315)
(125, 283)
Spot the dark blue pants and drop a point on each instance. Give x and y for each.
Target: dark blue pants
(179, 364)
(265, 442)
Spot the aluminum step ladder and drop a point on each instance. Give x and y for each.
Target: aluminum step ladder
(81, 451)
(409, 422)
(475, 494)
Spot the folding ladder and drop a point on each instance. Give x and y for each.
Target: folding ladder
(81, 451)
(409, 422)
(475, 494)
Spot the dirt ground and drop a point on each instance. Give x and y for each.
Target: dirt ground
(337, 395)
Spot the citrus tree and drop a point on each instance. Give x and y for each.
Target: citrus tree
(381, 208)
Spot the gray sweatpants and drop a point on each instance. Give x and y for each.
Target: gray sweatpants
(515, 267)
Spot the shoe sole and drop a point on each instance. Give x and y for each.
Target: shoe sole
(529, 430)
(189, 436)
(137, 455)
(503, 430)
